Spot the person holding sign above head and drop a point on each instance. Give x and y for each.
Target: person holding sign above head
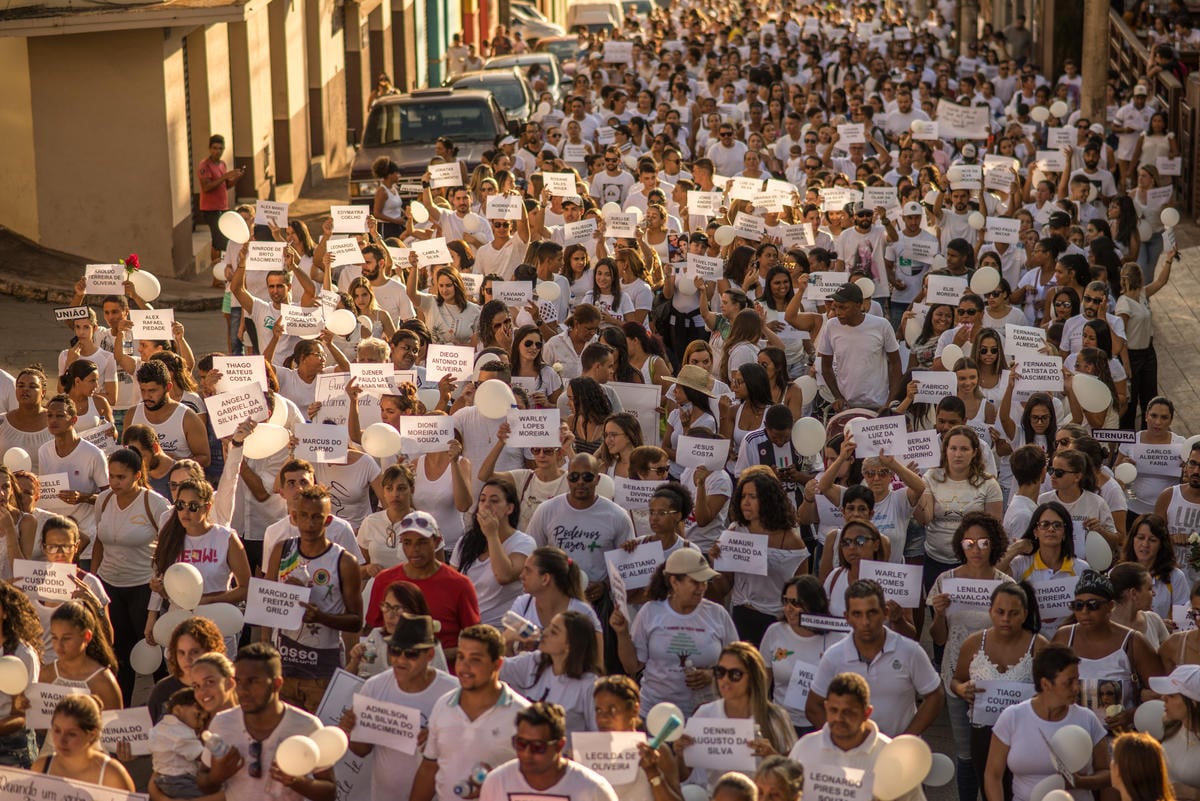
(75, 732)
(1023, 734)
(413, 682)
(266, 312)
(85, 348)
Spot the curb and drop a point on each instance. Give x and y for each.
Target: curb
(27, 289)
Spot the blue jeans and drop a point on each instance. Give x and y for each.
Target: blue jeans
(235, 321)
(1148, 255)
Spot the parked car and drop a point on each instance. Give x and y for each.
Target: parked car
(551, 71)
(406, 127)
(532, 27)
(510, 87)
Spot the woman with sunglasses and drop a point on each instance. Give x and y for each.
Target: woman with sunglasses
(215, 550)
(563, 669)
(978, 545)
(859, 541)
(615, 699)
(530, 371)
(75, 732)
(668, 511)
(370, 656)
(1073, 485)
(788, 643)
(1149, 545)
(492, 551)
(1110, 654)
(1134, 595)
(743, 689)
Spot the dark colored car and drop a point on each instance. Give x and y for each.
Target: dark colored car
(405, 128)
(510, 87)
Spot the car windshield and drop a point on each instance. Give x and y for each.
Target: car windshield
(507, 93)
(565, 49)
(423, 122)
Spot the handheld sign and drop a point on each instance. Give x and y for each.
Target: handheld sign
(872, 435)
(431, 252)
(749, 226)
(576, 233)
(1023, 342)
(154, 324)
(126, 725)
(512, 293)
(373, 379)
(901, 583)
(69, 313)
(614, 755)
(345, 252)
(387, 724)
(933, 385)
(637, 566)
(54, 483)
(270, 212)
(322, 444)
(1040, 374)
(276, 605)
(832, 783)
(742, 552)
(451, 360)
(42, 700)
(444, 176)
(426, 433)
(945, 289)
(264, 256)
(1054, 596)
(993, 697)
(970, 593)
(533, 428)
(630, 493)
(104, 279)
(349, 219)
(560, 184)
(237, 371)
(503, 207)
(305, 322)
(228, 410)
(698, 452)
(720, 744)
(922, 449)
(50, 581)
(799, 685)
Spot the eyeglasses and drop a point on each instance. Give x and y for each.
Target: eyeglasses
(795, 603)
(1050, 525)
(663, 512)
(407, 653)
(413, 521)
(733, 674)
(659, 470)
(994, 350)
(500, 225)
(995, 293)
(1092, 604)
(543, 451)
(1094, 300)
(530, 343)
(532, 746)
(726, 133)
(188, 506)
(391, 609)
(1058, 472)
(968, 312)
(586, 478)
(59, 548)
(860, 540)
(979, 544)
(810, 140)
(255, 768)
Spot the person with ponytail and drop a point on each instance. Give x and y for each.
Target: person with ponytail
(60, 543)
(553, 584)
(492, 552)
(81, 382)
(75, 732)
(563, 669)
(156, 463)
(85, 659)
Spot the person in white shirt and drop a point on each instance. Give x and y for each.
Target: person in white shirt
(294, 476)
(540, 767)
(864, 351)
(727, 153)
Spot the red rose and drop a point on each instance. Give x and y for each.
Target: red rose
(132, 263)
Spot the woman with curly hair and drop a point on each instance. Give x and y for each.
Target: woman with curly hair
(530, 371)
(760, 506)
(85, 658)
(590, 408)
(191, 639)
(451, 317)
(22, 637)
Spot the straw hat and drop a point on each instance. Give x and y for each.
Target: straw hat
(693, 376)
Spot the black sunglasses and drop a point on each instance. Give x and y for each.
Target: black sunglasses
(190, 506)
(1092, 604)
(587, 478)
(255, 768)
(532, 746)
(407, 653)
(734, 674)
(1058, 472)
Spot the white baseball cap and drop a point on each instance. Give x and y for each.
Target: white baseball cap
(912, 210)
(1184, 680)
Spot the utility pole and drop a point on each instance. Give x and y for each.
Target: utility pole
(1094, 64)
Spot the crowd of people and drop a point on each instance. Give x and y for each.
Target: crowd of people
(833, 330)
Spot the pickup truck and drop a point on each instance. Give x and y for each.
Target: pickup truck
(406, 127)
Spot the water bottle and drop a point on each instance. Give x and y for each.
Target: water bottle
(523, 628)
(370, 654)
(473, 781)
(215, 745)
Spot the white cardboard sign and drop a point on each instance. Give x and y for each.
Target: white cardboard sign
(720, 744)
(228, 410)
(270, 212)
(946, 289)
(872, 435)
(698, 452)
(264, 256)
(154, 324)
(426, 433)
(320, 443)
(901, 583)
(275, 604)
(933, 385)
(387, 724)
(104, 279)
(922, 449)
(742, 552)
(533, 428)
(349, 219)
(126, 725)
(431, 252)
(451, 360)
(636, 566)
(50, 581)
(237, 371)
(614, 755)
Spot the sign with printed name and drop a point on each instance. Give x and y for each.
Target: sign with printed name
(872, 435)
(620, 225)
(924, 251)
(577, 233)
(630, 493)
(444, 176)
(825, 623)
(835, 198)
(321, 443)
(42, 700)
(1023, 342)
(431, 252)
(796, 236)
(1169, 166)
(922, 449)
(614, 755)
(901, 583)
(101, 436)
(1058, 138)
(425, 433)
(637, 566)
(1051, 160)
(1002, 229)
(68, 313)
(616, 587)
(799, 684)
(512, 293)
(104, 279)
(1054, 595)
(264, 256)
(54, 483)
(749, 226)
(275, 604)
(574, 154)
(720, 744)
(924, 130)
(703, 203)
(451, 360)
(50, 581)
(970, 593)
(237, 371)
(699, 452)
(270, 212)
(832, 783)
(155, 324)
(742, 188)
(962, 122)
(742, 552)
(305, 322)
(21, 785)
(345, 251)
(126, 726)
(387, 724)
(710, 268)
(353, 772)
(933, 385)
(534, 428)
(228, 410)
(1151, 460)
(618, 52)
(503, 207)
(349, 219)
(998, 178)
(993, 697)
(560, 184)
(1114, 435)
(880, 196)
(606, 135)
(823, 284)
(947, 289)
(641, 400)
(373, 379)
(1040, 374)
(851, 133)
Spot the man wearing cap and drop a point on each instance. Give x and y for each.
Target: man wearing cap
(912, 254)
(860, 358)
(412, 682)
(772, 446)
(572, 212)
(510, 238)
(450, 594)
(1130, 121)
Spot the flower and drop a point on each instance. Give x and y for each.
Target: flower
(558, 368)
(131, 263)
(1113, 710)
(1193, 538)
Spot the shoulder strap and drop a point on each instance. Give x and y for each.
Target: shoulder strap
(46, 767)
(525, 486)
(104, 505)
(146, 505)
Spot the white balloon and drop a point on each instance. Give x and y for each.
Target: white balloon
(694, 792)
(901, 767)
(471, 224)
(1099, 554)
(1149, 718)
(1169, 217)
(867, 286)
(226, 617)
(279, 415)
(808, 436)
(332, 743)
(1073, 745)
(419, 213)
(1058, 795)
(266, 440)
(17, 459)
(381, 440)
(219, 271)
(610, 208)
(942, 771)
(1040, 114)
(1059, 109)
(1185, 450)
(636, 212)
(493, 399)
(724, 235)
(1125, 472)
(976, 220)
(1046, 786)
(165, 625)
(430, 397)
(912, 330)
(548, 290)
(341, 322)
(145, 284)
(543, 108)
(950, 356)
(938, 263)
(145, 658)
(14, 676)
(184, 585)
(606, 488)
(233, 225)
(657, 717)
(985, 280)
(1145, 230)
(297, 755)
(807, 386)
(686, 285)
(1092, 393)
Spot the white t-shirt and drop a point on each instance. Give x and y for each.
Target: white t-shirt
(782, 649)
(1087, 505)
(860, 358)
(264, 314)
(573, 695)
(87, 471)
(1026, 735)
(501, 261)
(458, 743)
(128, 536)
(579, 783)
(494, 598)
(349, 486)
(664, 639)
(231, 727)
(816, 751)
(585, 534)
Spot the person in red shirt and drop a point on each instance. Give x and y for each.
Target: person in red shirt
(450, 594)
(215, 181)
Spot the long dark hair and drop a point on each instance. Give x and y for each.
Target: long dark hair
(1068, 543)
(83, 615)
(583, 656)
(1043, 400)
(769, 298)
(776, 511)
(474, 543)
(622, 370)
(566, 575)
(171, 537)
(1023, 592)
(615, 287)
(1164, 560)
